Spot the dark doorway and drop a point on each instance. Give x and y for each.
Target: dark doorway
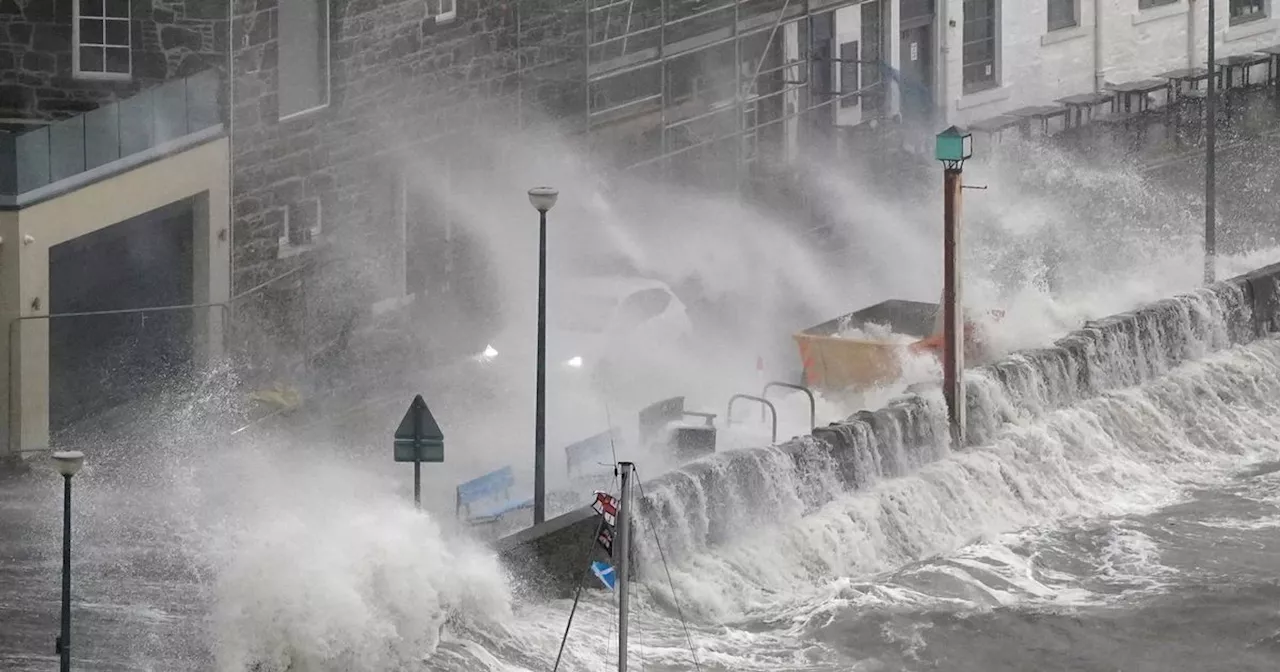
(98, 362)
(916, 60)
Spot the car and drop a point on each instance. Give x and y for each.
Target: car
(610, 339)
(598, 323)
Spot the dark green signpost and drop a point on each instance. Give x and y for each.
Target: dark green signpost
(418, 439)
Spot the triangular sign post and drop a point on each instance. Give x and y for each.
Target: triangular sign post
(418, 439)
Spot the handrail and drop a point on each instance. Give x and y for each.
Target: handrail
(13, 326)
(813, 406)
(766, 402)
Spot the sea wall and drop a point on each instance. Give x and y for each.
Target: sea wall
(716, 498)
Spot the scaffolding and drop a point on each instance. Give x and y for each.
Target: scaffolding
(694, 77)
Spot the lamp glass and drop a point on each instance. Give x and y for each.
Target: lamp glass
(68, 462)
(954, 144)
(543, 198)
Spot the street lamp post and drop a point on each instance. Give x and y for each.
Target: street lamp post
(68, 463)
(952, 148)
(543, 199)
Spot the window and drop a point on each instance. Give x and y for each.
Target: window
(444, 10)
(1148, 4)
(304, 56)
(1248, 10)
(1062, 14)
(979, 45)
(101, 34)
(849, 74)
(298, 223)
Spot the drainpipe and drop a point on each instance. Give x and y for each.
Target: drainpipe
(1191, 34)
(944, 47)
(1099, 67)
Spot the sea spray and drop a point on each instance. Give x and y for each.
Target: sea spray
(332, 576)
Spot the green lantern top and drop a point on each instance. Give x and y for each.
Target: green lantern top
(954, 145)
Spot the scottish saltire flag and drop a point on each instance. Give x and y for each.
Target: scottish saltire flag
(604, 572)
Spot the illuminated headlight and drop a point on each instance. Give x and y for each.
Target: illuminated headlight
(488, 354)
(574, 362)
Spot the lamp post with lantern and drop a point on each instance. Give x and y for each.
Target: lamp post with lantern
(68, 464)
(953, 146)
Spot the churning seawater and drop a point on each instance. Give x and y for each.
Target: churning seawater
(1136, 529)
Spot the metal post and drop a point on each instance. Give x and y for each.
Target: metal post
(540, 428)
(953, 314)
(417, 456)
(64, 641)
(624, 561)
(1210, 139)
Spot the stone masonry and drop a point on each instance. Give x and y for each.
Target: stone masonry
(169, 38)
(395, 72)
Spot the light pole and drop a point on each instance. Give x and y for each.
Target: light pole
(543, 199)
(68, 463)
(952, 148)
(1210, 160)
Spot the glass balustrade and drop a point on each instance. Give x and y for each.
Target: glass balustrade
(142, 122)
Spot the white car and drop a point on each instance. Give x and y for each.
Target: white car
(597, 324)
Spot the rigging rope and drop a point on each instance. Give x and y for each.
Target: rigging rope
(578, 594)
(662, 554)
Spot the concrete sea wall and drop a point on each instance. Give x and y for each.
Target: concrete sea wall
(716, 498)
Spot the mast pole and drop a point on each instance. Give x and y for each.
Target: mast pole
(624, 561)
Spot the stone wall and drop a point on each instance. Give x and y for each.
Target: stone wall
(170, 38)
(401, 83)
(711, 500)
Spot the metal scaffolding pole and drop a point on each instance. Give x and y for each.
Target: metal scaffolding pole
(664, 55)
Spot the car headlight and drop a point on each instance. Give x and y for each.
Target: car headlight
(574, 362)
(488, 354)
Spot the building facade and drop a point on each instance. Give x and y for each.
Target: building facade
(242, 158)
(1003, 55)
(114, 203)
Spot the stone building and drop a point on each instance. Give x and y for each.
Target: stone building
(114, 204)
(286, 118)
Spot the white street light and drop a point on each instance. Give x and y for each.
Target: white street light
(68, 462)
(543, 198)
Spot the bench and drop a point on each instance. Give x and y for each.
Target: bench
(494, 489)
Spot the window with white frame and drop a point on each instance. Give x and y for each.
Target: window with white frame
(303, 77)
(1248, 10)
(444, 10)
(298, 223)
(1062, 14)
(980, 42)
(101, 31)
(1148, 4)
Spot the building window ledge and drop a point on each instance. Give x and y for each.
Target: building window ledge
(1064, 35)
(392, 304)
(980, 98)
(1158, 13)
(289, 249)
(1253, 28)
